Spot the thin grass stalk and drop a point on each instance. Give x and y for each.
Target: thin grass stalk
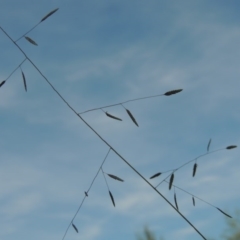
(27, 32)
(131, 100)
(181, 166)
(44, 18)
(120, 103)
(110, 194)
(15, 69)
(88, 125)
(86, 194)
(194, 196)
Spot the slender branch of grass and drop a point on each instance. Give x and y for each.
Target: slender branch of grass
(99, 170)
(70, 224)
(109, 192)
(181, 166)
(181, 189)
(27, 32)
(102, 139)
(116, 104)
(15, 69)
(43, 19)
(80, 206)
(105, 179)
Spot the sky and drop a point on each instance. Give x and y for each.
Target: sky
(99, 53)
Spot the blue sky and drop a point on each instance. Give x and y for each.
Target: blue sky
(98, 53)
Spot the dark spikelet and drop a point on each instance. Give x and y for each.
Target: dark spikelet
(24, 81)
(155, 175)
(31, 41)
(231, 147)
(175, 200)
(208, 146)
(194, 169)
(2, 83)
(86, 194)
(172, 92)
(132, 117)
(115, 177)
(111, 116)
(171, 181)
(111, 196)
(223, 212)
(75, 227)
(193, 201)
(49, 14)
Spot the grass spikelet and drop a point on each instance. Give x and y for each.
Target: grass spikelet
(208, 146)
(231, 147)
(194, 169)
(175, 200)
(75, 227)
(223, 212)
(24, 81)
(111, 196)
(111, 116)
(155, 175)
(31, 41)
(193, 201)
(171, 181)
(172, 92)
(2, 83)
(115, 177)
(132, 117)
(49, 14)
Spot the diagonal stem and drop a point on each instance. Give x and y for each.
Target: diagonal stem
(116, 104)
(27, 32)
